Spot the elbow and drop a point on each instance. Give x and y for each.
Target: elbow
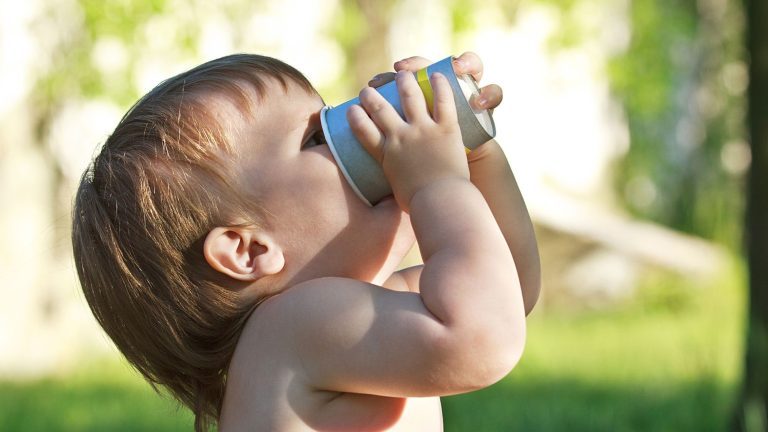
(503, 356)
(487, 355)
(499, 341)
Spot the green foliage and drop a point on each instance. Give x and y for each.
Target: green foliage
(118, 18)
(657, 61)
(670, 83)
(348, 26)
(462, 16)
(571, 31)
(565, 5)
(74, 73)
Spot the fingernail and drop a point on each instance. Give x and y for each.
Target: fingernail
(481, 102)
(460, 64)
(355, 112)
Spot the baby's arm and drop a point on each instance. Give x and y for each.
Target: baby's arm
(491, 174)
(423, 164)
(465, 329)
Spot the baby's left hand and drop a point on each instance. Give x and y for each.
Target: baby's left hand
(467, 63)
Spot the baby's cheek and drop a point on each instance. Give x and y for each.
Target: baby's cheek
(343, 194)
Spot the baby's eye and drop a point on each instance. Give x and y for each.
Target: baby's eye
(318, 138)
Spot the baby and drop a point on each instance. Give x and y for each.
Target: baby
(221, 249)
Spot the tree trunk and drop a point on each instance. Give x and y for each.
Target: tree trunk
(751, 413)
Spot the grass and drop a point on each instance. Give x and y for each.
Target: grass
(105, 396)
(667, 361)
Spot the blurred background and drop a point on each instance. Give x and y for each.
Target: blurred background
(624, 121)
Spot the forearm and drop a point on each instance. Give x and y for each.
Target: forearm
(491, 174)
(466, 280)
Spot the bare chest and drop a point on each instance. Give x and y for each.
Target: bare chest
(293, 411)
(353, 412)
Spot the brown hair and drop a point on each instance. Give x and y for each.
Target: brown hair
(160, 183)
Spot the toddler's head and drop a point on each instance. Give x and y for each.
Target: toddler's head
(214, 192)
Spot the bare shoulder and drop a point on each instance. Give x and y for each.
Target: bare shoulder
(312, 299)
(309, 308)
(326, 308)
(269, 360)
(327, 337)
(307, 325)
(345, 335)
(316, 298)
(350, 336)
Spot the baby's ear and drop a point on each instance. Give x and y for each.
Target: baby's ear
(243, 253)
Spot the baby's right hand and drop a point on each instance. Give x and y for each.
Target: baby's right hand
(418, 151)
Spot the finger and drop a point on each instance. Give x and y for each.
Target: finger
(411, 97)
(380, 111)
(469, 63)
(489, 98)
(412, 64)
(444, 108)
(381, 79)
(366, 131)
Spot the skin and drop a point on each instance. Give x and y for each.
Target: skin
(348, 344)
